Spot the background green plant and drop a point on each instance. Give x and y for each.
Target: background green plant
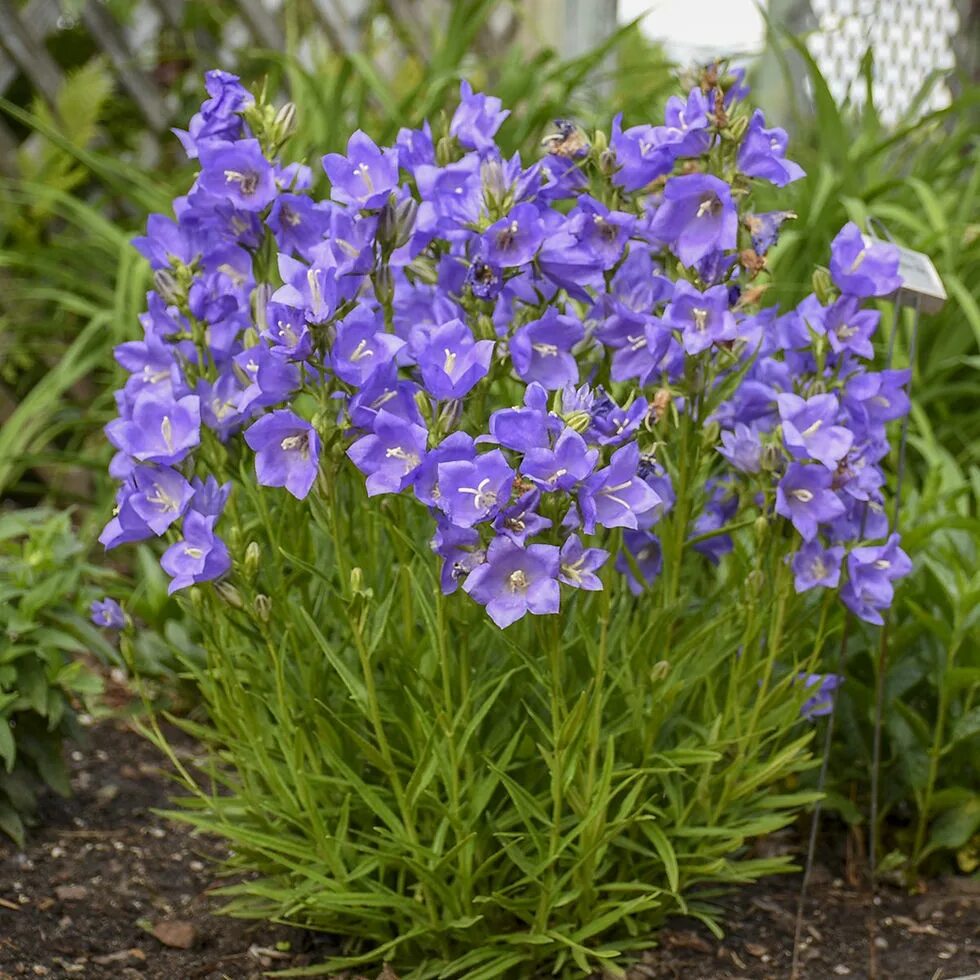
(45, 586)
(919, 182)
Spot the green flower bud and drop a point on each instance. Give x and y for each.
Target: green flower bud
(230, 594)
(253, 555)
(823, 285)
(579, 421)
(755, 582)
(165, 283)
(659, 670)
(737, 127)
(445, 151)
(263, 607)
(761, 528)
(283, 125)
(384, 285)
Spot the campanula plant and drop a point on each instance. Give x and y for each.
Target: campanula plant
(527, 519)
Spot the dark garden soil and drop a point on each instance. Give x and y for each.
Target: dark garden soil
(106, 890)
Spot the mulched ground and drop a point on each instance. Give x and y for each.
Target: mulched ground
(108, 891)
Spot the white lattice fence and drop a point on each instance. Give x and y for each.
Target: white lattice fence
(910, 39)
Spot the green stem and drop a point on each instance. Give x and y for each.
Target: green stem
(935, 753)
(557, 769)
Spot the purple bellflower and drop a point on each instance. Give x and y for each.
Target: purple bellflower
(804, 496)
(107, 614)
(541, 350)
(199, 557)
(389, 456)
(863, 270)
(514, 581)
(809, 430)
(697, 217)
(287, 451)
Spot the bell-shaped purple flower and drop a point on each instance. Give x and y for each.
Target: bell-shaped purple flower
(476, 119)
(452, 362)
(562, 467)
(641, 560)
(365, 176)
(821, 702)
(460, 551)
(287, 451)
(390, 455)
(107, 614)
(702, 318)
(809, 430)
(239, 173)
(860, 269)
(514, 239)
(521, 519)
(805, 497)
(471, 491)
(871, 571)
(697, 216)
(160, 496)
(815, 565)
(199, 557)
(514, 581)
(763, 153)
(161, 430)
(362, 348)
(577, 565)
(849, 328)
(742, 448)
(541, 350)
(614, 496)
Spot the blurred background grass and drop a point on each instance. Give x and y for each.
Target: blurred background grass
(86, 157)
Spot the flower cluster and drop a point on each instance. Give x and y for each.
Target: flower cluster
(516, 345)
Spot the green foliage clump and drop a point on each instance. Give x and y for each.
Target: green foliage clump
(43, 630)
(388, 766)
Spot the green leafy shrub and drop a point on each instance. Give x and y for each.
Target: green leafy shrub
(43, 630)
(920, 182)
(386, 765)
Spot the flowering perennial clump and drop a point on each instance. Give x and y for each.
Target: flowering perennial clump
(524, 347)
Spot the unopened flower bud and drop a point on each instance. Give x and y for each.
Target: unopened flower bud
(755, 582)
(761, 528)
(253, 555)
(384, 285)
(449, 415)
(424, 404)
(165, 283)
(823, 285)
(259, 301)
(770, 457)
(600, 141)
(710, 434)
(659, 670)
(250, 337)
(738, 126)
(357, 585)
(405, 215)
(445, 151)
(283, 124)
(263, 607)
(661, 402)
(230, 594)
(579, 421)
(607, 162)
(386, 228)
